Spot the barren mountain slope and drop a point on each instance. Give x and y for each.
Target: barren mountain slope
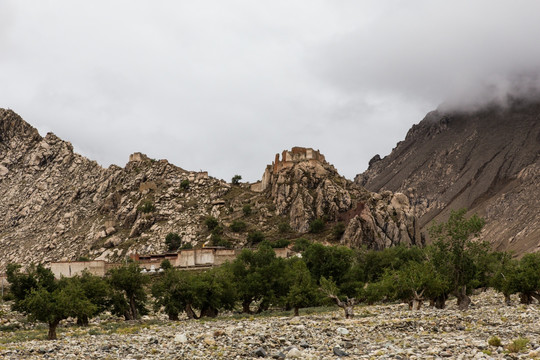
(59, 205)
(487, 161)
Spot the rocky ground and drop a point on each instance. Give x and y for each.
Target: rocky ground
(377, 332)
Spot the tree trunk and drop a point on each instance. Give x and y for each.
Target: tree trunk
(525, 298)
(440, 301)
(349, 311)
(52, 329)
(209, 312)
(463, 300)
(190, 313)
(82, 320)
(264, 305)
(173, 316)
(245, 306)
(133, 308)
(347, 306)
(296, 311)
(507, 300)
(416, 304)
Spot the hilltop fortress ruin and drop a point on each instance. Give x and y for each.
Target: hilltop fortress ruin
(288, 159)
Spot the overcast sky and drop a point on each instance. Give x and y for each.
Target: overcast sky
(224, 85)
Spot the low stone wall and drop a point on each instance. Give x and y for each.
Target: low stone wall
(184, 259)
(72, 268)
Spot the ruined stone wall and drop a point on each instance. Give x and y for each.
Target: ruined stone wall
(72, 268)
(288, 159)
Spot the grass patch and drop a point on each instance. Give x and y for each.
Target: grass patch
(494, 341)
(24, 335)
(518, 345)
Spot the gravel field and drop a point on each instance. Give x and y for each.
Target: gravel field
(377, 332)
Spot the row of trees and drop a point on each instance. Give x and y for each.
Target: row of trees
(37, 293)
(259, 280)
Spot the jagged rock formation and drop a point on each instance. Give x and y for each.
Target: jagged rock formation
(487, 161)
(58, 205)
(304, 187)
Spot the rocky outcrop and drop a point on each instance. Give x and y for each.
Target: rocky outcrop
(59, 205)
(305, 188)
(487, 161)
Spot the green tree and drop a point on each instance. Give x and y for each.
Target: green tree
(236, 179)
(211, 222)
(213, 291)
(328, 261)
(302, 289)
(255, 237)
(238, 226)
(411, 282)
(22, 283)
(173, 241)
(526, 278)
(53, 306)
(146, 207)
(129, 296)
(284, 227)
(184, 184)
(338, 230)
(301, 245)
(38, 294)
(258, 276)
(217, 240)
(330, 289)
(455, 255)
(504, 274)
(280, 243)
(246, 210)
(316, 226)
(170, 292)
(96, 290)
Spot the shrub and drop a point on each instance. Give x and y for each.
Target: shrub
(301, 244)
(338, 230)
(165, 264)
(184, 184)
(246, 210)
(517, 345)
(316, 226)
(146, 207)
(281, 243)
(211, 222)
(186, 246)
(217, 240)
(238, 226)
(494, 341)
(236, 179)
(173, 241)
(284, 227)
(255, 237)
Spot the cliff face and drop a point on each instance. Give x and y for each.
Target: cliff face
(487, 161)
(58, 205)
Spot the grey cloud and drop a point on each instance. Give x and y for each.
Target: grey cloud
(223, 86)
(438, 50)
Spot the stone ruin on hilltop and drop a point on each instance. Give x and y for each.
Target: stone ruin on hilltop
(288, 159)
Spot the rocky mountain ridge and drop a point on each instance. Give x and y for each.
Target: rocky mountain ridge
(58, 205)
(487, 161)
